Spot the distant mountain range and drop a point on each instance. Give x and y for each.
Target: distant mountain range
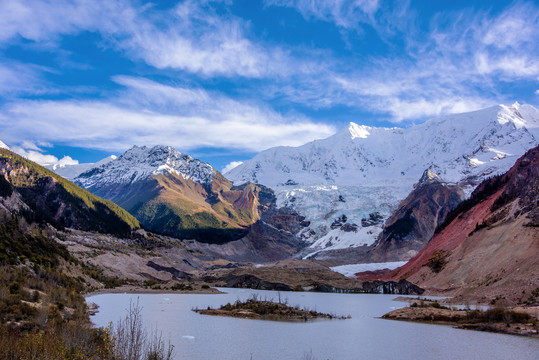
(349, 184)
(365, 194)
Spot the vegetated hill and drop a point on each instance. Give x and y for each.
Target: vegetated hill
(41, 196)
(360, 175)
(173, 194)
(488, 248)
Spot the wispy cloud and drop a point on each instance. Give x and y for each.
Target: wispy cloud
(16, 78)
(45, 20)
(455, 63)
(456, 66)
(190, 37)
(344, 13)
(152, 113)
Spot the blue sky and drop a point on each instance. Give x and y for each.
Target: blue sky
(222, 80)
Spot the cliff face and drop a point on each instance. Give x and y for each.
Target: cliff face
(412, 225)
(488, 247)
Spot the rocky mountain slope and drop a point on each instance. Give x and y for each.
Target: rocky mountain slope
(40, 196)
(349, 184)
(173, 194)
(488, 248)
(413, 224)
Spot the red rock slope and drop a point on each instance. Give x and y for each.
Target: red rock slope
(488, 247)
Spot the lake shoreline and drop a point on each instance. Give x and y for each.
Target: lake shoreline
(457, 319)
(131, 289)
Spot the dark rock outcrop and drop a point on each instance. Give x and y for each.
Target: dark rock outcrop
(402, 287)
(176, 274)
(338, 222)
(250, 282)
(373, 220)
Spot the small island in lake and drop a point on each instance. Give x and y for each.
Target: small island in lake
(253, 308)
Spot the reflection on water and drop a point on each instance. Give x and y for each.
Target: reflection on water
(364, 336)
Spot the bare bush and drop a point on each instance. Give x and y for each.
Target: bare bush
(132, 342)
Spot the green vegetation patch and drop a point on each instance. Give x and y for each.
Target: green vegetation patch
(59, 202)
(172, 221)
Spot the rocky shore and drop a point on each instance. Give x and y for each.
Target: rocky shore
(516, 321)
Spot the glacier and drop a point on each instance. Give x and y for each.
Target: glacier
(363, 172)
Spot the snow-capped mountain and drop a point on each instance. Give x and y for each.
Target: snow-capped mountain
(3, 146)
(174, 194)
(139, 163)
(71, 171)
(348, 184)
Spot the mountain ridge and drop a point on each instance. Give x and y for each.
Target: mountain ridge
(362, 171)
(174, 194)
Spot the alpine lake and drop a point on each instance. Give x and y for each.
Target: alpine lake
(363, 336)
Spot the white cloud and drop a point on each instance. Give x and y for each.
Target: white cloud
(190, 37)
(36, 154)
(45, 20)
(16, 78)
(67, 160)
(454, 66)
(152, 113)
(231, 166)
(220, 50)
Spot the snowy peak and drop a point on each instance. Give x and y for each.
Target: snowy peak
(454, 147)
(139, 163)
(520, 115)
(427, 176)
(365, 170)
(3, 146)
(358, 131)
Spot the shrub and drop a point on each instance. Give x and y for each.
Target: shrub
(437, 261)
